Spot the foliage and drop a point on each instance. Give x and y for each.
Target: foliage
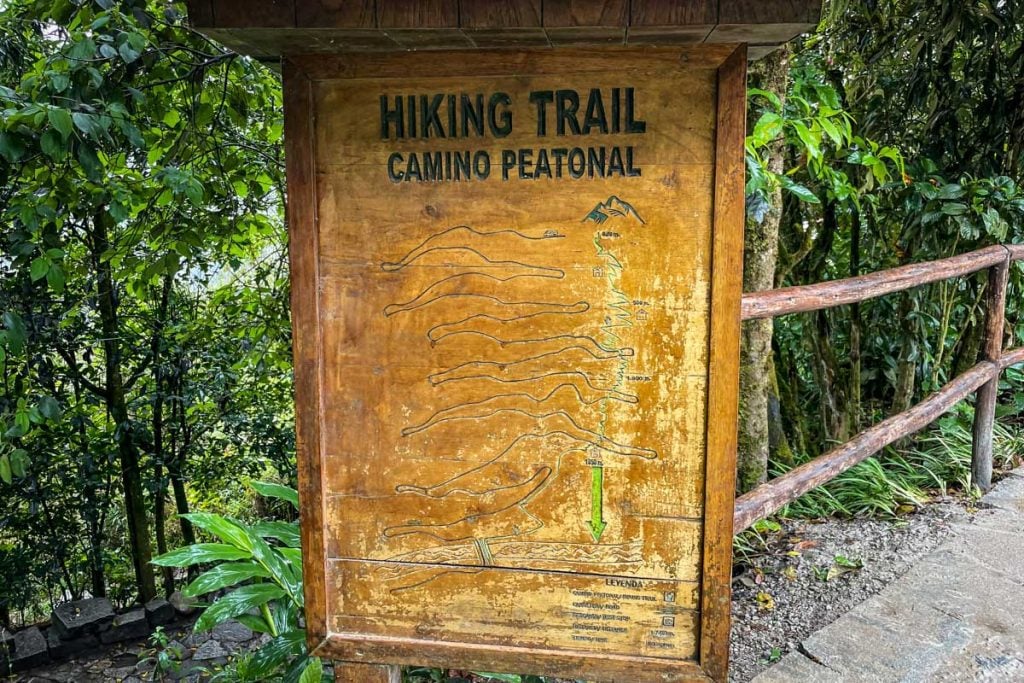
(261, 565)
(144, 340)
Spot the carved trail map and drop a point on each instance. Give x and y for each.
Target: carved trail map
(514, 363)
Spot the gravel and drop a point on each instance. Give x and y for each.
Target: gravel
(799, 585)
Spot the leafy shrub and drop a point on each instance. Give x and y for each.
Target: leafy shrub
(261, 563)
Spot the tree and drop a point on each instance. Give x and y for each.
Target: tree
(139, 156)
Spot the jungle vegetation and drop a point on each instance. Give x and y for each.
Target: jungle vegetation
(145, 369)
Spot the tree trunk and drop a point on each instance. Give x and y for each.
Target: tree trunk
(160, 495)
(117, 405)
(906, 365)
(760, 253)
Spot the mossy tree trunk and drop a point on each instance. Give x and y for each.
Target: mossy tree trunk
(758, 392)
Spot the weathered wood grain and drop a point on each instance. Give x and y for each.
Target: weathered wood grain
(417, 14)
(992, 347)
(303, 245)
(354, 672)
(268, 28)
(425, 477)
(335, 14)
(767, 498)
(723, 371)
(564, 13)
(823, 295)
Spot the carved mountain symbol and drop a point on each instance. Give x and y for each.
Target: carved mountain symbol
(613, 206)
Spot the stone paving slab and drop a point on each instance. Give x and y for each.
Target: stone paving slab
(958, 615)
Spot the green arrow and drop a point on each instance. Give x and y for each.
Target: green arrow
(597, 523)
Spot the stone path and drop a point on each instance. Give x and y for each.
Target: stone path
(958, 615)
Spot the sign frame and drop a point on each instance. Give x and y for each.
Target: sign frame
(730, 61)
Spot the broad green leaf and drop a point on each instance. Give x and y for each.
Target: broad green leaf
(172, 117)
(39, 268)
(200, 553)
(313, 671)
(49, 408)
(19, 462)
(60, 119)
(286, 532)
(237, 602)
(52, 145)
(11, 148)
(272, 490)
(803, 193)
(15, 331)
(224, 575)
(85, 123)
(5, 469)
(223, 528)
(269, 658)
(504, 678)
(253, 623)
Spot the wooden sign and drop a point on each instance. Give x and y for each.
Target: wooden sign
(516, 296)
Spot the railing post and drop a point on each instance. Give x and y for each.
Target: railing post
(985, 402)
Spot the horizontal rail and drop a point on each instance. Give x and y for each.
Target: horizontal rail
(770, 497)
(804, 298)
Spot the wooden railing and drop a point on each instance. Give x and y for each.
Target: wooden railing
(983, 378)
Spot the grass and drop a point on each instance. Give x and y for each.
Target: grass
(936, 464)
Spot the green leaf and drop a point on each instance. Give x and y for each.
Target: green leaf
(272, 490)
(5, 469)
(19, 462)
(199, 553)
(224, 575)
(954, 209)
(11, 148)
(223, 528)
(55, 278)
(52, 145)
(49, 407)
(269, 658)
(60, 119)
(254, 623)
(172, 117)
(286, 532)
(803, 193)
(40, 266)
(505, 678)
(237, 602)
(15, 331)
(85, 123)
(313, 671)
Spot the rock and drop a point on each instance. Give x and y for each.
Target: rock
(182, 605)
(128, 626)
(159, 612)
(29, 649)
(73, 619)
(119, 674)
(232, 632)
(64, 649)
(210, 650)
(196, 639)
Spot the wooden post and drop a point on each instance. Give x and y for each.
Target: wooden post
(985, 404)
(355, 672)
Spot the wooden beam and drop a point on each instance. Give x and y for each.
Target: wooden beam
(768, 498)
(355, 672)
(992, 348)
(823, 295)
(723, 367)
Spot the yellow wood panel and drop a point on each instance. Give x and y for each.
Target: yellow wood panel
(580, 612)
(514, 370)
